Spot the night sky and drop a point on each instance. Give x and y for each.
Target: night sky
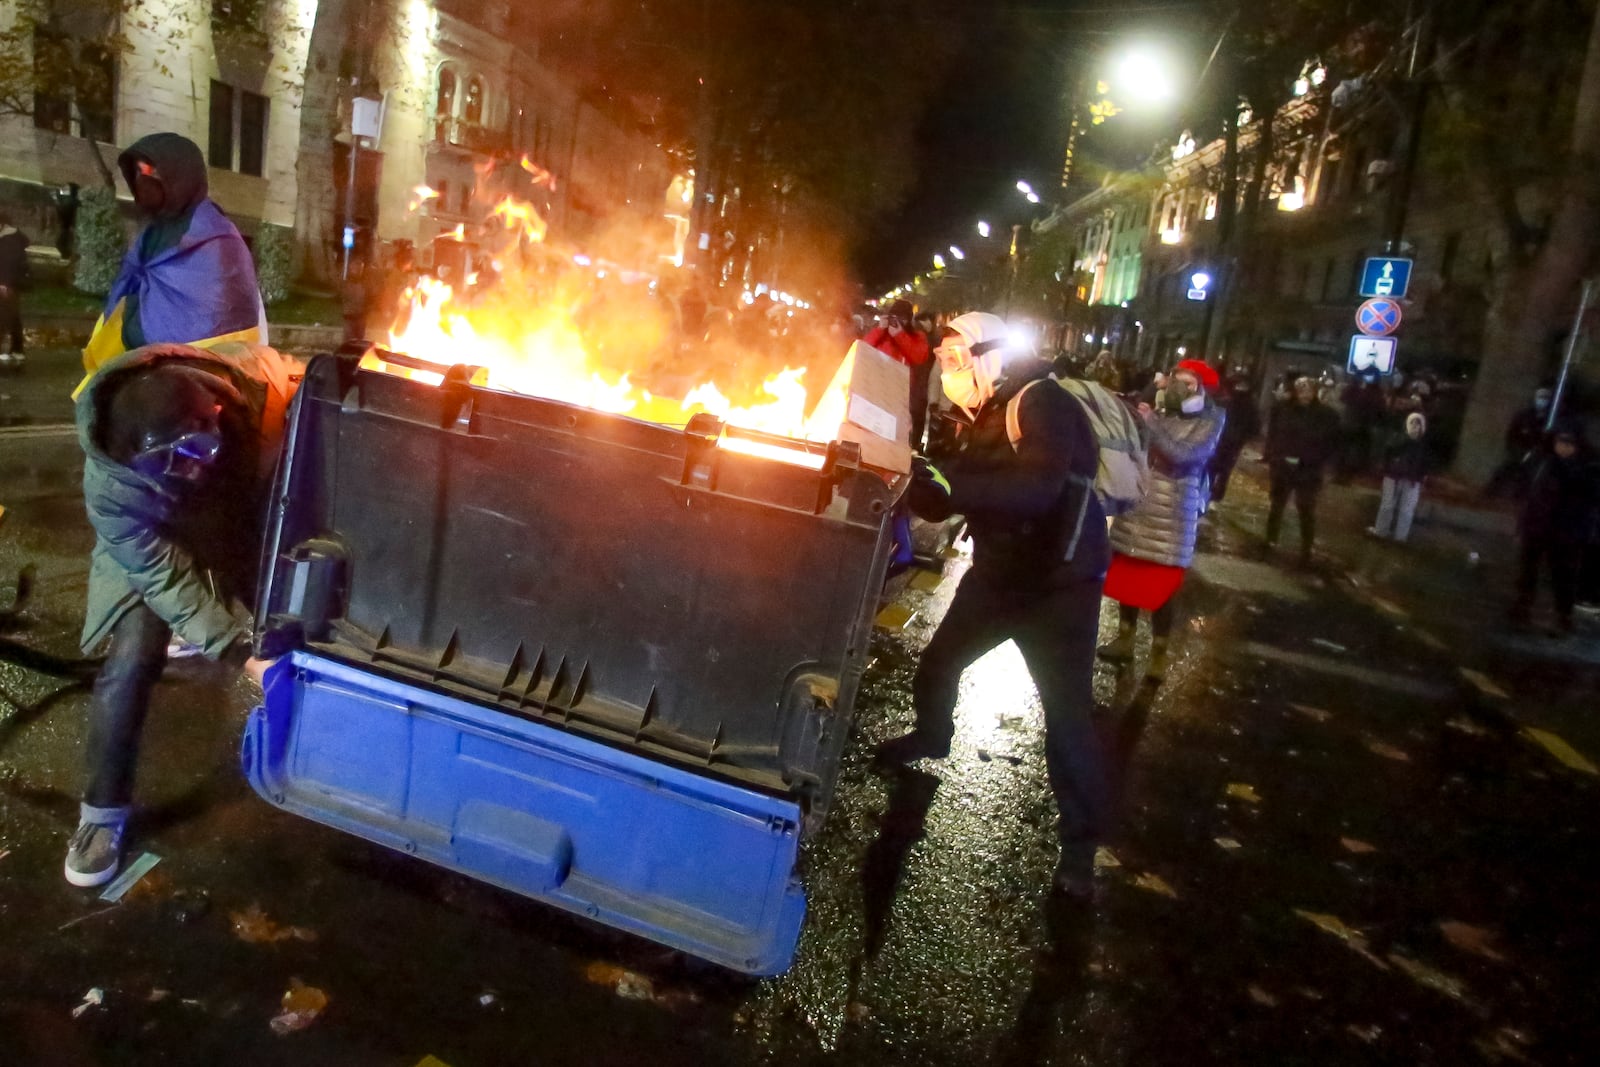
(1000, 114)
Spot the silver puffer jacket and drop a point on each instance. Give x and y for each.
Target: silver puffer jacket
(1162, 528)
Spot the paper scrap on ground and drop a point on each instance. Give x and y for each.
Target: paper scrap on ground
(1557, 747)
(1227, 843)
(92, 999)
(1469, 938)
(1262, 997)
(1244, 792)
(894, 618)
(1484, 684)
(124, 881)
(1356, 845)
(1331, 646)
(925, 581)
(1105, 859)
(1356, 940)
(301, 1006)
(1369, 1034)
(1466, 726)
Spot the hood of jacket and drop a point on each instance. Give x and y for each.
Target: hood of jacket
(180, 166)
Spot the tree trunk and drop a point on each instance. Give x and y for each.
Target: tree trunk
(315, 196)
(1531, 309)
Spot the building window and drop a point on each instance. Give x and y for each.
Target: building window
(238, 135)
(472, 106)
(445, 106)
(74, 86)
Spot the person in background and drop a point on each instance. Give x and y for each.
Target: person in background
(897, 335)
(1241, 427)
(1557, 518)
(188, 277)
(1153, 544)
(1104, 370)
(1023, 475)
(1525, 437)
(179, 447)
(1302, 436)
(13, 275)
(921, 374)
(1405, 468)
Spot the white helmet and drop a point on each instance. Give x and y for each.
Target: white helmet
(971, 356)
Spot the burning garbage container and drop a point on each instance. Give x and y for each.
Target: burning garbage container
(601, 662)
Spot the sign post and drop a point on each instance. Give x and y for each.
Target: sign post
(1386, 276)
(1371, 355)
(1379, 317)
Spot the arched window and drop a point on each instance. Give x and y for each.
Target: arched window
(472, 106)
(445, 108)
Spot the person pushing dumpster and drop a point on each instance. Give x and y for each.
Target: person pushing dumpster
(179, 445)
(1024, 477)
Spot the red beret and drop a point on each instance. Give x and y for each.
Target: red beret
(1204, 371)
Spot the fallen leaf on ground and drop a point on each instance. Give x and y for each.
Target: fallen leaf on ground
(301, 1006)
(1469, 938)
(4, 852)
(1262, 997)
(1369, 1034)
(1105, 859)
(1484, 684)
(1314, 714)
(1505, 1043)
(254, 927)
(1359, 847)
(92, 999)
(1427, 976)
(1155, 884)
(1332, 924)
(1569, 756)
(158, 995)
(1227, 843)
(1389, 606)
(1241, 791)
(1331, 646)
(623, 982)
(1466, 726)
(1387, 751)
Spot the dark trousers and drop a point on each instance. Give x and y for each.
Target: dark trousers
(1565, 563)
(1287, 481)
(11, 316)
(1222, 464)
(1161, 619)
(117, 709)
(1056, 631)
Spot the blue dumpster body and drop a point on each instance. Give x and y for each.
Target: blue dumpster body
(601, 663)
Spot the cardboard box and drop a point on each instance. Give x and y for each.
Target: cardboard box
(876, 392)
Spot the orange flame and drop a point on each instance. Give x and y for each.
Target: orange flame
(514, 214)
(540, 175)
(421, 195)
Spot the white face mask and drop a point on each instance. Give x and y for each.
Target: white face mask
(1192, 404)
(961, 386)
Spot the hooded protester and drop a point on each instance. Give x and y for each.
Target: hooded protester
(179, 446)
(188, 277)
(1023, 475)
(1558, 514)
(1153, 544)
(1405, 468)
(1243, 424)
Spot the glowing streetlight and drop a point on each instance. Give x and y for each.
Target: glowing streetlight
(1027, 190)
(954, 251)
(1142, 76)
(938, 261)
(983, 228)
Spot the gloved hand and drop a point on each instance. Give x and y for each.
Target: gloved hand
(928, 495)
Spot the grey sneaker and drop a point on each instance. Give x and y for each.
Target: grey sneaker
(94, 853)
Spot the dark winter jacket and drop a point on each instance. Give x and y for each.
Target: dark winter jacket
(909, 346)
(1162, 528)
(1525, 434)
(1301, 438)
(151, 540)
(1244, 419)
(13, 257)
(1563, 496)
(1023, 502)
(1408, 460)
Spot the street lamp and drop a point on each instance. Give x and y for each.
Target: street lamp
(1142, 75)
(983, 228)
(938, 261)
(954, 251)
(1027, 190)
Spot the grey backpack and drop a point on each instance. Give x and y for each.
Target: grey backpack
(1123, 476)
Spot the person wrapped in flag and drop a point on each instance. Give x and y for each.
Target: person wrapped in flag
(188, 277)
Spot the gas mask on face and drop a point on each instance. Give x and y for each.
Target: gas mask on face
(1183, 394)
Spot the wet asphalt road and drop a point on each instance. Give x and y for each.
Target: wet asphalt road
(1335, 848)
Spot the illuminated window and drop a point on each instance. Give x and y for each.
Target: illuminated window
(472, 107)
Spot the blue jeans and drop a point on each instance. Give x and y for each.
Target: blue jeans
(117, 709)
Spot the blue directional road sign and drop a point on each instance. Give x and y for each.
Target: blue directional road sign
(1371, 355)
(1385, 276)
(1378, 317)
